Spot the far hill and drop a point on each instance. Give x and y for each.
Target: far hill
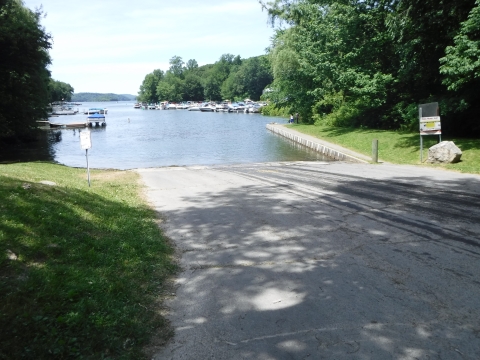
(92, 97)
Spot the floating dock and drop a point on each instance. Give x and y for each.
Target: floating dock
(62, 125)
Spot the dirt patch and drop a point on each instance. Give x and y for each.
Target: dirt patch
(108, 175)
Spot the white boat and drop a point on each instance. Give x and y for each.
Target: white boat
(236, 107)
(221, 107)
(207, 108)
(194, 108)
(152, 107)
(92, 111)
(254, 109)
(171, 107)
(63, 110)
(137, 106)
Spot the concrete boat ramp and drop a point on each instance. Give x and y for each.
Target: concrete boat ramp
(310, 260)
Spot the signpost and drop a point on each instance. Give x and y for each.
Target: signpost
(86, 143)
(430, 124)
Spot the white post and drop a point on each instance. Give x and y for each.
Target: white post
(86, 143)
(88, 168)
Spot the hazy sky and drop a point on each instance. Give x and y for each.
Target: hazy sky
(109, 46)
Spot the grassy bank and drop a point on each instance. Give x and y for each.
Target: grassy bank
(396, 147)
(81, 269)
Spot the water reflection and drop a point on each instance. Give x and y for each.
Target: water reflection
(150, 138)
(289, 150)
(39, 149)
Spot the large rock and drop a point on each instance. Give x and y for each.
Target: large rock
(445, 152)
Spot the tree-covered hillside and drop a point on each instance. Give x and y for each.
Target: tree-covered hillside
(92, 97)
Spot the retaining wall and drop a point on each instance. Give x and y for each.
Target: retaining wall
(317, 146)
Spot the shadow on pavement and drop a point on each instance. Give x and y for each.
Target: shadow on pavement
(305, 262)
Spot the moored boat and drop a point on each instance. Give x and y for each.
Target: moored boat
(92, 111)
(206, 107)
(96, 119)
(63, 109)
(255, 108)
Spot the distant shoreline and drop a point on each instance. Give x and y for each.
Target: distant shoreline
(101, 97)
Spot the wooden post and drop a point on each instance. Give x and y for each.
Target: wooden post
(421, 149)
(375, 151)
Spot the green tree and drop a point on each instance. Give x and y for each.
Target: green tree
(60, 91)
(176, 66)
(213, 86)
(461, 65)
(365, 62)
(170, 88)
(193, 89)
(248, 79)
(330, 62)
(420, 41)
(148, 89)
(461, 69)
(24, 77)
(218, 74)
(255, 74)
(191, 65)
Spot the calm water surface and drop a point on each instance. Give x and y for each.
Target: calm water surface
(151, 138)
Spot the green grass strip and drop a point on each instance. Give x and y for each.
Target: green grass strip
(81, 269)
(396, 147)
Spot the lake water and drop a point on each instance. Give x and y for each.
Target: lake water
(136, 138)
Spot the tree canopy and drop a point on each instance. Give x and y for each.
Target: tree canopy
(371, 62)
(24, 77)
(25, 84)
(60, 91)
(231, 77)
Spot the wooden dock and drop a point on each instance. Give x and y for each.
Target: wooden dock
(67, 126)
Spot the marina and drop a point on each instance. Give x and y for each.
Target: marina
(246, 106)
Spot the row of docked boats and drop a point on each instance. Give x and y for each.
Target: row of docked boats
(69, 110)
(246, 107)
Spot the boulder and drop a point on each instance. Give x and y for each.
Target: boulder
(445, 152)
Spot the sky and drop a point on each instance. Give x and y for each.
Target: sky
(109, 46)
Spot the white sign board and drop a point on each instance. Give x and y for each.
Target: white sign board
(85, 140)
(430, 125)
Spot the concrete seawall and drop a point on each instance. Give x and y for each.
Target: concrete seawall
(331, 150)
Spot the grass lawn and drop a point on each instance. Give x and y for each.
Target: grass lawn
(396, 147)
(82, 269)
